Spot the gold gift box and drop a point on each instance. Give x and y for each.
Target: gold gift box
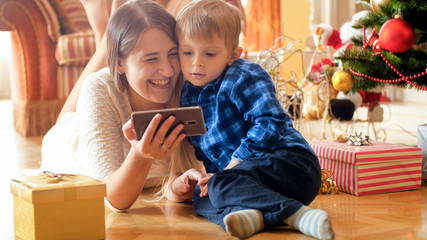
(60, 207)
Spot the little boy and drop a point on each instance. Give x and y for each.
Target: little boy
(265, 173)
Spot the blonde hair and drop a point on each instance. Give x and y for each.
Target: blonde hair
(207, 18)
(123, 32)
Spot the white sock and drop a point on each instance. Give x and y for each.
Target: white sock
(312, 222)
(244, 223)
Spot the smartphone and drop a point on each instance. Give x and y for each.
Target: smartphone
(190, 117)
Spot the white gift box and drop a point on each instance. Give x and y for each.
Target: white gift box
(422, 143)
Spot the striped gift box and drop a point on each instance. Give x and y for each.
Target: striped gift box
(377, 168)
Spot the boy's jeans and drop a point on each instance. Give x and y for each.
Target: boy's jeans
(277, 184)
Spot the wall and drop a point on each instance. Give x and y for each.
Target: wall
(295, 20)
(407, 95)
(332, 12)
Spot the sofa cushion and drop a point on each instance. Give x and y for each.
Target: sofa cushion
(76, 48)
(71, 14)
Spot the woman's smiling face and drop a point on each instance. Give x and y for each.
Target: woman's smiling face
(152, 68)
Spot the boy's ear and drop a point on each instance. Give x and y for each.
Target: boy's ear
(235, 54)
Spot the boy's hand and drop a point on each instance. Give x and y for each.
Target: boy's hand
(203, 183)
(184, 185)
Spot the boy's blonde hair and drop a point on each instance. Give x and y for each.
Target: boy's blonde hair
(208, 18)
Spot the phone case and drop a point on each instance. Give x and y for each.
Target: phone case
(191, 117)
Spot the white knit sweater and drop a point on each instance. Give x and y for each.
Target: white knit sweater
(90, 141)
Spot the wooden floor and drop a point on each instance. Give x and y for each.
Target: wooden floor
(400, 215)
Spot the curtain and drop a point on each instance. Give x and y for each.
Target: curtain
(262, 24)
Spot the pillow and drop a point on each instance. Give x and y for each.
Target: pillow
(75, 48)
(71, 14)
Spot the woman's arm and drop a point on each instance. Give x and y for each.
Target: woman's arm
(125, 184)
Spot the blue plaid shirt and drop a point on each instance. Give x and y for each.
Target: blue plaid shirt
(242, 115)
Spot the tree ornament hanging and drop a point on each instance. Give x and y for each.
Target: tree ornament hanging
(396, 35)
(376, 3)
(342, 80)
(374, 41)
(374, 37)
(376, 46)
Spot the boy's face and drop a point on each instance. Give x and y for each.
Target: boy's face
(203, 61)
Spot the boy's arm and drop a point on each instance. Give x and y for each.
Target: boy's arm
(266, 120)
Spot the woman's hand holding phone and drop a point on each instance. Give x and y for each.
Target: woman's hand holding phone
(155, 144)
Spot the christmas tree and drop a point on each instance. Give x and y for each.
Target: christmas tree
(395, 50)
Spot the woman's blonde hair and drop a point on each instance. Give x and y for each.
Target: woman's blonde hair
(209, 18)
(123, 33)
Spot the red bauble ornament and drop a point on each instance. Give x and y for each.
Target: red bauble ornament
(396, 35)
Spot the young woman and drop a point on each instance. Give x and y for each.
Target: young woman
(143, 74)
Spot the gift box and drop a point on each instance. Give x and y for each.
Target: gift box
(422, 143)
(370, 169)
(58, 207)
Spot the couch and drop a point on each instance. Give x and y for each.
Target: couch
(51, 43)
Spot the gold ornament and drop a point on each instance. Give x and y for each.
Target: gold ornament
(328, 185)
(342, 80)
(376, 3)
